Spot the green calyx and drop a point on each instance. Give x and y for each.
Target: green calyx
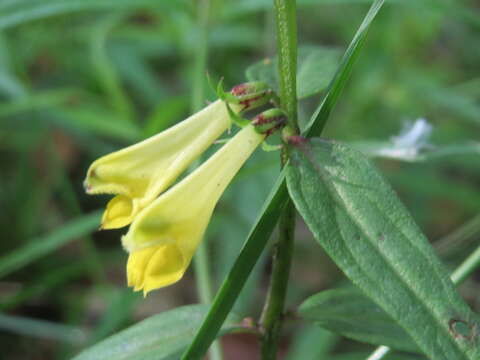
(269, 121)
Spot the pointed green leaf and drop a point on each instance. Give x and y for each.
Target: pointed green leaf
(312, 343)
(350, 313)
(359, 221)
(159, 337)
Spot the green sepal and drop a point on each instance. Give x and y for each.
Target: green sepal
(235, 118)
(224, 95)
(269, 121)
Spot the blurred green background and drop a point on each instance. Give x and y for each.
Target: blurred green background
(81, 78)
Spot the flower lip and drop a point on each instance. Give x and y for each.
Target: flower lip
(155, 267)
(118, 213)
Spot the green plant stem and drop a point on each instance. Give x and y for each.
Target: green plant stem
(459, 275)
(272, 315)
(466, 268)
(458, 239)
(286, 24)
(201, 259)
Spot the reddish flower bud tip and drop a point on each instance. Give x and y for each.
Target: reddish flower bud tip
(269, 121)
(239, 90)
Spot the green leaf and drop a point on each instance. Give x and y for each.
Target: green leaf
(312, 343)
(350, 313)
(316, 66)
(159, 337)
(267, 219)
(44, 245)
(265, 71)
(357, 218)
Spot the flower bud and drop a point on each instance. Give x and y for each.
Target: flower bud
(249, 88)
(251, 95)
(269, 121)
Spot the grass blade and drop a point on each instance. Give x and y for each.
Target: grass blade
(43, 245)
(321, 114)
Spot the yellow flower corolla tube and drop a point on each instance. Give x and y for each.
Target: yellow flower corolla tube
(164, 236)
(139, 173)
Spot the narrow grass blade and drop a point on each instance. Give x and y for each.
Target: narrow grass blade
(321, 114)
(44, 245)
(316, 66)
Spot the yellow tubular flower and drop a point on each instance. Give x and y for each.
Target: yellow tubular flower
(139, 173)
(164, 236)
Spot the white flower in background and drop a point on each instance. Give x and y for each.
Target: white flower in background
(409, 144)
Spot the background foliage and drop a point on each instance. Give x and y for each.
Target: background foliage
(81, 78)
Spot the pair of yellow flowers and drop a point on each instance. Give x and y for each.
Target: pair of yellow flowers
(168, 223)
